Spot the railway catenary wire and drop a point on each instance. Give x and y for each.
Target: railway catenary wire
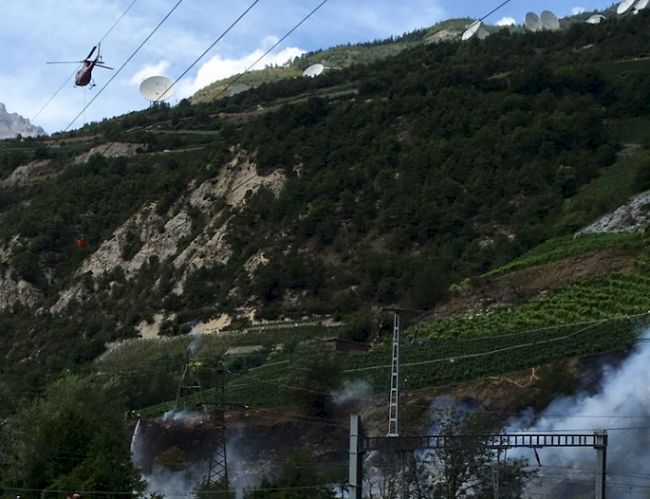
(441, 342)
(75, 71)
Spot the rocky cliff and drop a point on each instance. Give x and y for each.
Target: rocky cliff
(12, 124)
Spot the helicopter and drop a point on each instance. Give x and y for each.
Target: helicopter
(84, 75)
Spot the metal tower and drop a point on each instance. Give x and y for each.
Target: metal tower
(393, 407)
(192, 396)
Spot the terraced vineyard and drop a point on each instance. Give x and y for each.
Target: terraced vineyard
(564, 247)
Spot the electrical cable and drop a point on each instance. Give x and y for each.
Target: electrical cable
(232, 25)
(475, 355)
(272, 48)
(119, 70)
(75, 71)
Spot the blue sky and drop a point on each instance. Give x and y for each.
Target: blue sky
(35, 31)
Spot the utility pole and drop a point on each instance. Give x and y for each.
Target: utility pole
(600, 445)
(393, 404)
(191, 396)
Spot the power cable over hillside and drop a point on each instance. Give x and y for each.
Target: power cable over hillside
(234, 23)
(272, 48)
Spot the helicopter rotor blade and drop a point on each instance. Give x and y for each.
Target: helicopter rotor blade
(65, 62)
(102, 66)
(91, 52)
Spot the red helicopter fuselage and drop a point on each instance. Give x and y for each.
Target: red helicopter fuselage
(84, 75)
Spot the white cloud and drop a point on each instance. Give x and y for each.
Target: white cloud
(218, 67)
(506, 21)
(149, 70)
(577, 10)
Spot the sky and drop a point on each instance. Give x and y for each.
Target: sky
(33, 32)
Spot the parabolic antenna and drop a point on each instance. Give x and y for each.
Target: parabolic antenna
(532, 22)
(550, 21)
(471, 30)
(482, 33)
(154, 87)
(313, 71)
(640, 5)
(596, 19)
(624, 6)
(240, 88)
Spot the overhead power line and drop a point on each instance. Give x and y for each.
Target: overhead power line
(75, 71)
(119, 70)
(234, 23)
(272, 48)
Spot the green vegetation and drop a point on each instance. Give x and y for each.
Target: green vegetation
(386, 181)
(557, 249)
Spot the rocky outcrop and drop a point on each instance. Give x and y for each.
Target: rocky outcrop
(13, 124)
(15, 290)
(172, 235)
(634, 215)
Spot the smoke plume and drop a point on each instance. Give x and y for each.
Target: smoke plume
(622, 407)
(352, 391)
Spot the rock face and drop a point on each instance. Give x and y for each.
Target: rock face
(634, 215)
(12, 124)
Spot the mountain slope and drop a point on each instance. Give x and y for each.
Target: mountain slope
(12, 124)
(373, 185)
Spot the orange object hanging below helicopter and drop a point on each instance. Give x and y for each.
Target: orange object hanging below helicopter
(81, 242)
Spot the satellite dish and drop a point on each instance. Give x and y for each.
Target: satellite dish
(533, 22)
(624, 6)
(482, 33)
(240, 88)
(640, 5)
(313, 71)
(471, 30)
(154, 87)
(596, 19)
(550, 21)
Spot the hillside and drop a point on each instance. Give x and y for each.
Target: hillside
(448, 178)
(500, 187)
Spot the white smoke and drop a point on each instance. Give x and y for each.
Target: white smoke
(173, 484)
(622, 407)
(352, 391)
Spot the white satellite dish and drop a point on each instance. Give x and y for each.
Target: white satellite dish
(154, 87)
(550, 21)
(640, 5)
(624, 6)
(240, 88)
(313, 71)
(533, 22)
(482, 33)
(471, 30)
(596, 19)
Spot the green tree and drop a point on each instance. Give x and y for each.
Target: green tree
(71, 439)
